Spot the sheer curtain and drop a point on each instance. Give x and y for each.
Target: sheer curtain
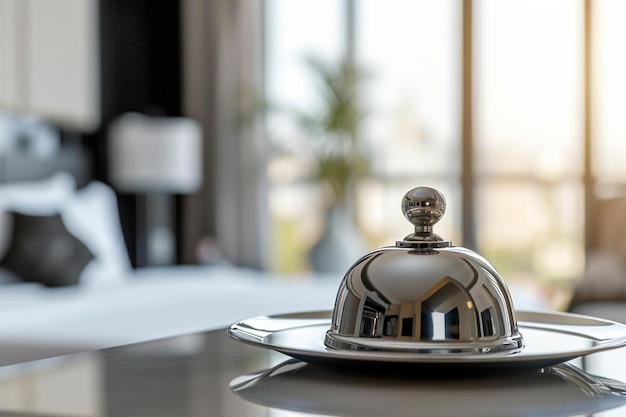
(223, 81)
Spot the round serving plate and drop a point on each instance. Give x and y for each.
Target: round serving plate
(549, 338)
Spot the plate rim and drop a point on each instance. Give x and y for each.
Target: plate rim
(515, 358)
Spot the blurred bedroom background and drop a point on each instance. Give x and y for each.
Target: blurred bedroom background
(274, 119)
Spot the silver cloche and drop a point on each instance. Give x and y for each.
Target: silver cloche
(423, 295)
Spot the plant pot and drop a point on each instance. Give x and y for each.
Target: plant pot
(340, 246)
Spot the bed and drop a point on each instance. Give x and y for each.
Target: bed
(69, 302)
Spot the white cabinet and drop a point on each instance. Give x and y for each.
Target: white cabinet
(49, 60)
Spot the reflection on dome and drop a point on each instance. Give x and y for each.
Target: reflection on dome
(450, 299)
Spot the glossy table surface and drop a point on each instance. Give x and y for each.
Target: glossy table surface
(209, 374)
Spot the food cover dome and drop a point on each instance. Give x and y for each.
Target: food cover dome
(423, 294)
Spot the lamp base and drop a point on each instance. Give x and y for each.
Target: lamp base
(156, 238)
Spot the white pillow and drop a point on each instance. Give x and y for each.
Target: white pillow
(90, 214)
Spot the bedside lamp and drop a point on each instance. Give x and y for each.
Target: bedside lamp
(155, 157)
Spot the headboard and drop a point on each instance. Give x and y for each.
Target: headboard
(23, 166)
(32, 149)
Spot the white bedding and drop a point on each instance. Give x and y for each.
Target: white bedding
(156, 303)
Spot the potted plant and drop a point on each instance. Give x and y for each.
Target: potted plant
(333, 130)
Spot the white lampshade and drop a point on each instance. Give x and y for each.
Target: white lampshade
(155, 154)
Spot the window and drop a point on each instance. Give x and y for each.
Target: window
(530, 180)
(609, 96)
(410, 98)
(528, 136)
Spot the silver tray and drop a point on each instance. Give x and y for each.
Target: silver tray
(550, 338)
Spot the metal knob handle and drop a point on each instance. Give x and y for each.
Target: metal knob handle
(423, 207)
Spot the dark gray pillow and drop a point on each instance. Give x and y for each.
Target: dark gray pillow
(42, 250)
